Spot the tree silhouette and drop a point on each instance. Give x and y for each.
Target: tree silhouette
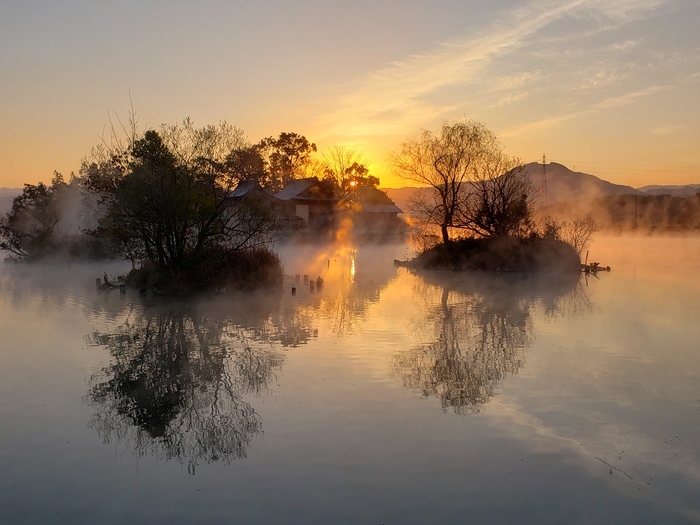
(179, 383)
(479, 330)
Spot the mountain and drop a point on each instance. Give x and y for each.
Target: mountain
(6, 196)
(686, 190)
(566, 185)
(562, 185)
(401, 196)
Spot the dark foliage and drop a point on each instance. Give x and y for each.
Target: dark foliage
(503, 254)
(217, 268)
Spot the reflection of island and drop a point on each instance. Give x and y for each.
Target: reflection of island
(480, 327)
(180, 377)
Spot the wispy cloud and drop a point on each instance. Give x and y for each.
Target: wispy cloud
(666, 130)
(408, 90)
(627, 45)
(607, 104)
(592, 81)
(507, 82)
(509, 99)
(628, 98)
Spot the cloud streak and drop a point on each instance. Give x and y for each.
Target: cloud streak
(608, 103)
(409, 89)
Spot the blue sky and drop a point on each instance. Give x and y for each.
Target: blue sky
(608, 87)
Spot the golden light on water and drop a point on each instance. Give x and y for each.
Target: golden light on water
(353, 258)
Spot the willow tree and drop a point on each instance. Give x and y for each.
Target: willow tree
(455, 169)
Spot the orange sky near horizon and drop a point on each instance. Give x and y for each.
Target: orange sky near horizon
(604, 87)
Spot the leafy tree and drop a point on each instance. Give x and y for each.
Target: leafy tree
(286, 158)
(171, 205)
(28, 229)
(247, 164)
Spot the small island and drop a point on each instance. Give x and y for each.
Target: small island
(471, 189)
(499, 254)
(199, 209)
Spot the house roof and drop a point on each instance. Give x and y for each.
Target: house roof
(304, 189)
(251, 189)
(248, 186)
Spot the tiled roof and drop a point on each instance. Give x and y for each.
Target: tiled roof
(250, 187)
(243, 188)
(295, 187)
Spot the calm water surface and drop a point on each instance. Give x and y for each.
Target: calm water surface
(384, 397)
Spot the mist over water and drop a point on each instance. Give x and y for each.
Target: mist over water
(382, 397)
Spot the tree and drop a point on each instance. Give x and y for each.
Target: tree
(171, 205)
(344, 170)
(578, 231)
(27, 231)
(286, 158)
(466, 180)
(247, 164)
(444, 164)
(501, 203)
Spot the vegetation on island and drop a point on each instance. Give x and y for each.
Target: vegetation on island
(166, 200)
(471, 189)
(162, 198)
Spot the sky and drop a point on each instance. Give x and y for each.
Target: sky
(607, 87)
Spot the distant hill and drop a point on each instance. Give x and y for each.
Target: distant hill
(562, 185)
(566, 185)
(6, 196)
(686, 190)
(401, 196)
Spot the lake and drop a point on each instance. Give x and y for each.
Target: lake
(382, 397)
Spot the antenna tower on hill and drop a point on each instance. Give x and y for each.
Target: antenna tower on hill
(544, 179)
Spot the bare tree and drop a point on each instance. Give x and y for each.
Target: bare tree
(446, 164)
(340, 164)
(578, 231)
(501, 203)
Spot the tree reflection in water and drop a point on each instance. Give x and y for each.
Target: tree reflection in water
(177, 384)
(478, 329)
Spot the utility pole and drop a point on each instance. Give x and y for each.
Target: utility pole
(544, 179)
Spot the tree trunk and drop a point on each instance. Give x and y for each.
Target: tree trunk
(445, 235)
